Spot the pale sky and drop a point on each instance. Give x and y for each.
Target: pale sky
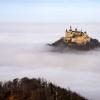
(50, 11)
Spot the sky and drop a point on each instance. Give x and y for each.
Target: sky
(48, 11)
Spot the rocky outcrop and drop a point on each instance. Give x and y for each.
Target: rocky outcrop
(94, 43)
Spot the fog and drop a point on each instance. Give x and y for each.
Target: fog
(24, 53)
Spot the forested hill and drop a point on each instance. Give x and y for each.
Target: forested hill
(35, 89)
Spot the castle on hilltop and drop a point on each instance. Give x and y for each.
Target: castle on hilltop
(75, 36)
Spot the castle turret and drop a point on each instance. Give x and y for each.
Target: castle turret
(85, 32)
(66, 29)
(75, 29)
(70, 28)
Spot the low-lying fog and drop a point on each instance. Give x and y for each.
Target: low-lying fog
(24, 53)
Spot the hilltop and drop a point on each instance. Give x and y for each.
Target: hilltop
(76, 40)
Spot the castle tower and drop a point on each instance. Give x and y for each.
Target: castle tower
(85, 32)
(75, 29)
(70, 28)
(66, 29)
(66, 32)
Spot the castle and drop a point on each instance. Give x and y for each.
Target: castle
(75, 36)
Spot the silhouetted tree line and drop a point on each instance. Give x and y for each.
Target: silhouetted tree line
(35, 89)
